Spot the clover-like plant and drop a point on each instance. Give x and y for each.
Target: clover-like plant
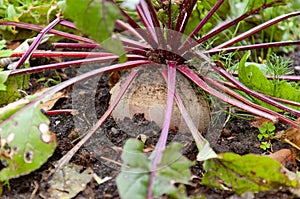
(161, 38)
(266, 133)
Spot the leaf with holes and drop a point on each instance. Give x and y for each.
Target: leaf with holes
(247, 173)
(134, 177)
(26, 142)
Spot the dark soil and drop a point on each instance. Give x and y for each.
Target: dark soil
(237, 136)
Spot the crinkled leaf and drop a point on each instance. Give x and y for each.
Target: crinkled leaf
(134, 177)
(69, 181)
(26, 142)
(252, 77)
(101, 17)
(246, 173)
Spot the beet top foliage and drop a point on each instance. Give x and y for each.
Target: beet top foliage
(158, 34)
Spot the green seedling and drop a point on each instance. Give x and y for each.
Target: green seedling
(265, 145)
(266, 133)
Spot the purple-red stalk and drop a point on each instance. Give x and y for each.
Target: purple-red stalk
(225, 26)
(281, 77)
(127, 27)
(203, 21)
(68, 24)
(61, 111)
(194, 77)
(260, 96)
(256, 29)
(36, 42)
(72, 63)
(165, 130)
(83, 77)
(39, 28)
(248, 102)
(96, 126)
(252, 47)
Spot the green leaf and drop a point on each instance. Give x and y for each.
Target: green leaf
(271, 127)
(9, 86)
(11, 13)
(205, 152)
(10, 93)
(262, 129)
(3, 77)
(237, 7)
(33, 12)
(134, 177)
(2, 43)
(6, 52)
(246, 173)
(26, 142)
(10, 109)
(101, 17)
(265, 145)
(252, 77)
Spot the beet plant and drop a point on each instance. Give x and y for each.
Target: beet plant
(170, 39)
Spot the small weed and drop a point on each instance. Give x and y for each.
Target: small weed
(265, 145)
(266, 132)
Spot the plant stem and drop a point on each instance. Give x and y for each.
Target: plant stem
(70, 64)
(203, 22)
(254, 93)
(127, 27)
(281, 77)
(68, 24)
(136, 51)
(188, 120)
(256, 29)
(253, 46)
(135, 26)
(62, 111)
(66, 158)
(164, 134)
(36, 42)
(194, 77)
(248, 102)
(39, 28)
(156, 25)
(225, 26)
(65, 54)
